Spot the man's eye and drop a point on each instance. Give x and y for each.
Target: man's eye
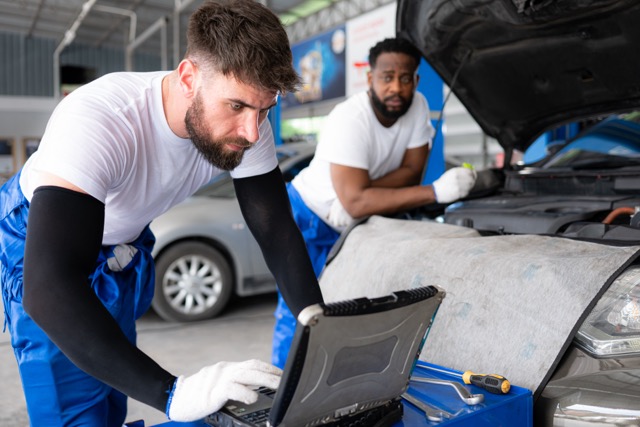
(236, 107)
(406, 80)
(263, 115)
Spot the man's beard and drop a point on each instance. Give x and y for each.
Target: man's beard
(212, 150)
(379, 105)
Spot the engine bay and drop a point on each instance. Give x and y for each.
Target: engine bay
(594, 204)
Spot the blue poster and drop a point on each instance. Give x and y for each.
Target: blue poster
(320, 62)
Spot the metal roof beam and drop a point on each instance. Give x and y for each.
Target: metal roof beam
(128, 59)
(35, 18)
(159, 25)
(69, 35)
(130, 12)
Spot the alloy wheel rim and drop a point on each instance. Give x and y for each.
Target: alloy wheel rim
(192, 284)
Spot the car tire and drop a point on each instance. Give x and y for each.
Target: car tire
(193, 282)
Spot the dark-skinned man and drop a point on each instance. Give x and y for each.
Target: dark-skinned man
(369, 160)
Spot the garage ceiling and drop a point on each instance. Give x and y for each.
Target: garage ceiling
(109, 23)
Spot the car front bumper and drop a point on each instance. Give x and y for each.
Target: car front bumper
(586, 391)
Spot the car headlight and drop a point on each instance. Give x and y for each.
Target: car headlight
(613, 327)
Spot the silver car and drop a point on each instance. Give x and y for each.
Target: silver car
(204, 251)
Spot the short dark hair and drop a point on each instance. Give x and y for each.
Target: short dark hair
(244, 39)
(393, 45)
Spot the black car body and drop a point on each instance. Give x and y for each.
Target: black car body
(523, 68)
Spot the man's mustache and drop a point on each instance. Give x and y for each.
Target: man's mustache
(395, 98)
(243, 143)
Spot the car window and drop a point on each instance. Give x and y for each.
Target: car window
(294, 169)
(612, 143)
(223, 187)
(282, 156)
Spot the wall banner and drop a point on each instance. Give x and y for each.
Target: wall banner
(362, 33)
(320, 61)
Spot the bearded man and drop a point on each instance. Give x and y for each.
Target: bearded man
(370, 156)
(75, 246)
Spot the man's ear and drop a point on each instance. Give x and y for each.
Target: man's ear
(369, 78)
(417, 80)
(187, 72)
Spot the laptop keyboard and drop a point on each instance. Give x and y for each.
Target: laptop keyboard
(266, 391)
(258, 418)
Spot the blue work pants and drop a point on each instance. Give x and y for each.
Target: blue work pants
(56, 391)
(319, 239)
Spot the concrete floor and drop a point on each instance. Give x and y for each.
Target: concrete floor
(243, 331)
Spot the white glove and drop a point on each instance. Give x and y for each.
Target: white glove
(206, 391)
(338, 216)
(454, 184)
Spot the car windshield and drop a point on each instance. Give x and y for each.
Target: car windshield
(612, 143)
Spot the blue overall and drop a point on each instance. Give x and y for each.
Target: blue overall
(56, 391)
(319, 239)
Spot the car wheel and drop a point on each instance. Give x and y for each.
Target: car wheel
(193, 282)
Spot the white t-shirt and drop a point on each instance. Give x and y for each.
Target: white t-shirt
(353, 136)
(111, 139)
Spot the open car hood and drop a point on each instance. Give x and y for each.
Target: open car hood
(522, 67)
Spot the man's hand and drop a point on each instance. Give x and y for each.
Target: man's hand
(206, 391)
(454, 184)
(338, 216)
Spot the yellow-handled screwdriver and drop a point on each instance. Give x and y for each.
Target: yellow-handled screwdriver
(492, 383)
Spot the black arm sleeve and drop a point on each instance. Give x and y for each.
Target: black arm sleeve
(64, 235)
(265, 206)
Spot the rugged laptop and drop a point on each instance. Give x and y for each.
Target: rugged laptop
(349, 364)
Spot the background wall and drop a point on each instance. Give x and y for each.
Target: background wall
(26, 63)
(27, 88)
(22, 124)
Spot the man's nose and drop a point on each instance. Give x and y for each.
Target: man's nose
(249, 129)
(395, 85)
